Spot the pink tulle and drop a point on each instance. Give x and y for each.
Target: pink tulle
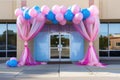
(27, 33)
(89, 31)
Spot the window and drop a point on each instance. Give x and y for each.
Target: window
(3, 40)
(117, 43)
(8, 40)
(109, 40)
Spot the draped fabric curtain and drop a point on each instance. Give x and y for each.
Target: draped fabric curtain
(90, 32)
(27, 30)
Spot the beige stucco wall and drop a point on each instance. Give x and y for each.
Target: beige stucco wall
(109, 9)
(7, 8)
(50, 3)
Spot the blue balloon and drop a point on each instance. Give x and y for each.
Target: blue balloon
(86, 13)
(50, 16)
(55, 21)
(26, 14)
(37, 8)
(8, 62)
(12, 63)
(69, 15)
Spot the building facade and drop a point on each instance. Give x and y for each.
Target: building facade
(59, 43)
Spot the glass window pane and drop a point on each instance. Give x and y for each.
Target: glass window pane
(12, 34)
(103, 38)
(2, 53)
(114, 35)
(3, 36)
(11, 54)
(103, 53)
(114, 53)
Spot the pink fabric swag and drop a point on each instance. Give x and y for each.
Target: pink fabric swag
(90, 32)
(27, 30)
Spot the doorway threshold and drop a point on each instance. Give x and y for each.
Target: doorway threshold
(59, 62)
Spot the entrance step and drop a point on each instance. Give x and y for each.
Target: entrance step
(57, 62)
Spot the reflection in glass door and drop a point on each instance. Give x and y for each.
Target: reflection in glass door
(59, 46)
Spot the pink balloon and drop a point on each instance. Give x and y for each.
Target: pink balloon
(63, 9)
(63, 22)
(13, 58)
(75, 21)
(21, 19)
(93, 10)
(18, 12)
(56, 9)
(59, 17)
(78, 16)
(40, 17)
(32, 12)
(45, 9)
(90, 20)
(75, 9)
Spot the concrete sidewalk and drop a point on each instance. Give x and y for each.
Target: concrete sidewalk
(59, 72)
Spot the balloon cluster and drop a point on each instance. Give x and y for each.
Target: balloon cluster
(58, 14)
(12, 62)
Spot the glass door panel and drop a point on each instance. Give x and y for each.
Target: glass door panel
(65, 40)
(54, 40)
(65, 53)
(54, 53)
(59, 46)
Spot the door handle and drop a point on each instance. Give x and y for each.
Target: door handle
(59, 47)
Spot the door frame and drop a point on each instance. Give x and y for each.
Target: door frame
(59, 33)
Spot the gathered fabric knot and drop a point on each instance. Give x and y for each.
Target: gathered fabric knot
(91, 43)
(25, 43)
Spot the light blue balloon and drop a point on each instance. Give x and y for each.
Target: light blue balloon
(37, 8)
(86, 13)
(50, 16)
(26, 14)
(69, 15)
(55, 21)
(8, 62)
(13, 63)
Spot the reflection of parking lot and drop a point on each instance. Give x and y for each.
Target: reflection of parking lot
(64, 53)
(9, 47)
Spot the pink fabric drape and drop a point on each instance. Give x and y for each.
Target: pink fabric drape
(27, 30)
(89, 31)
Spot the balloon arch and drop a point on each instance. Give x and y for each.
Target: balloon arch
(30, 21)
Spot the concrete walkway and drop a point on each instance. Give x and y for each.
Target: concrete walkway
(59, 72)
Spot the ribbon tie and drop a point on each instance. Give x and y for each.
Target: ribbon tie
(25, 43)
(90, 43)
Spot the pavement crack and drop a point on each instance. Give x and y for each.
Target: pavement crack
(91, 72)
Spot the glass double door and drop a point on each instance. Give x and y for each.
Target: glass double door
(59, 47)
